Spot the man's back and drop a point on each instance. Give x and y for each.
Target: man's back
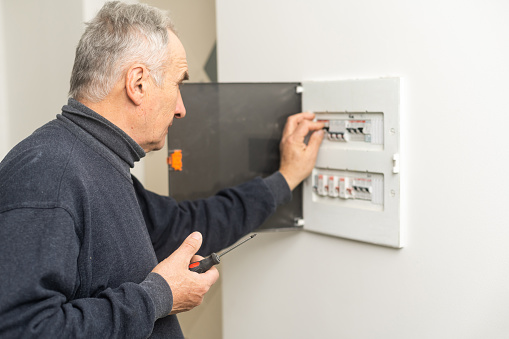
(83, 232)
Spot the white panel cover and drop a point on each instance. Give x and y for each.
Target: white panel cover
(361, 100)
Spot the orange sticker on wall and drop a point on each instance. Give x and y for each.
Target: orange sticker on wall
(175, 160)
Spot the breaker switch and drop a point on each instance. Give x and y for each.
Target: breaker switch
(333, 186)
(322, 185)
(337, 137)
(345, 188)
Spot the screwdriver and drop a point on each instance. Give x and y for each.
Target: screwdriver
(205, 264)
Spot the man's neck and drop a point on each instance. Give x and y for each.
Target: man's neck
(117, 109)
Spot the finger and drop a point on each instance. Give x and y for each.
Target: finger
(196, 257)
(315, 140)
(210, 276)
(189, 247)
(308, 126)
(294, 120)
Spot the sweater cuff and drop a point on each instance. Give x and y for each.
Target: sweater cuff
(160, 293)
(279, 188)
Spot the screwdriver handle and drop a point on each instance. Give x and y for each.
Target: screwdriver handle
(205, 264)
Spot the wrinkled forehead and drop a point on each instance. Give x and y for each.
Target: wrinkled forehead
(176, 48)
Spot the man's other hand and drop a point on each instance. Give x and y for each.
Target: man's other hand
(297, 158)
(188, 288)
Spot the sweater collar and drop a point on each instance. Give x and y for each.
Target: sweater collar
(103, 130)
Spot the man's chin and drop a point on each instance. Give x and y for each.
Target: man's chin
(156, 146)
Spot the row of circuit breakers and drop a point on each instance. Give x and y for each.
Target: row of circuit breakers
(346, 130)
(344, 187)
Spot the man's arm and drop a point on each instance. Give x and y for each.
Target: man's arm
(222, 219)
(236, 211)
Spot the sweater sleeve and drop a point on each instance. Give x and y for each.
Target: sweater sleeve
(40, 283)
(222, 219)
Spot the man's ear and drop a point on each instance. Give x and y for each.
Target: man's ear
(136, 83)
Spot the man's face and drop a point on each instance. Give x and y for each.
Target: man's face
(164, 103)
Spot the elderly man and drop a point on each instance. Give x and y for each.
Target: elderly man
(85, 250)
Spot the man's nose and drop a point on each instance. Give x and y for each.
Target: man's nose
(180, 109)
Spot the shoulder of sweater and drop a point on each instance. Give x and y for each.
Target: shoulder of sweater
(32, 170)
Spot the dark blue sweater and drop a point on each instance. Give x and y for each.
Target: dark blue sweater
(79, 236)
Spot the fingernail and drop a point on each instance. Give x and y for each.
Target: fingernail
(196, 235)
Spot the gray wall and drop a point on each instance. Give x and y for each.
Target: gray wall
(451, 279)
(196, 24)
(4, 118)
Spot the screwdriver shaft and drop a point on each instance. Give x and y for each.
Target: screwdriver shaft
(206, 263)
(234, 247)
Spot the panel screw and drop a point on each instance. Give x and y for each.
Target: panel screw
(299, 222)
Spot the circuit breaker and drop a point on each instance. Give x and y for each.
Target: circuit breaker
(354, 190)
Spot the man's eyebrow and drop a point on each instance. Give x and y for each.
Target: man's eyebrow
(184, 76)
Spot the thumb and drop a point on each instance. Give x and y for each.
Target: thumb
(315, 140)
(189, 247)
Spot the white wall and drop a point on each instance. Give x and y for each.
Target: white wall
(451, 280)
(91, 7)
(38, 43)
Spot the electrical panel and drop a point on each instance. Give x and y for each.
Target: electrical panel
(354, 190)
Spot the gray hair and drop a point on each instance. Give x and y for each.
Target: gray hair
(119, 36)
